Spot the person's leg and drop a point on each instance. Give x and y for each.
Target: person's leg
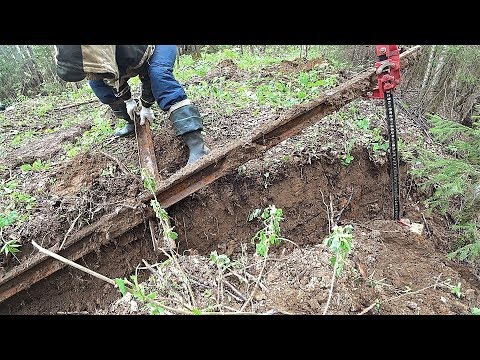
(171, 97)
(106, 95)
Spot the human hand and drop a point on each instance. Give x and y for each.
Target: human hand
(146, 114)
(131, 107)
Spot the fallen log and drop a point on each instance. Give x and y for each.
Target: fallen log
(191, 178)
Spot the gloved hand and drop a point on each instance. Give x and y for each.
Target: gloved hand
(146, 114)
(131, 107)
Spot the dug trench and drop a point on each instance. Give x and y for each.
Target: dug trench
(216, 218)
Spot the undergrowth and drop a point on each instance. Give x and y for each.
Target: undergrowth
(453, 180)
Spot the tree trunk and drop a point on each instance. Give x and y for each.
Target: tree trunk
(428, 69)
(439, 67)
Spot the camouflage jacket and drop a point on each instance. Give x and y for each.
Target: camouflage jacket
(114, 64)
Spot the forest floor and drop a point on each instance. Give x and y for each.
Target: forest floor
(334, 172)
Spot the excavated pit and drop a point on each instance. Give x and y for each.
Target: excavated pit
(216, 218)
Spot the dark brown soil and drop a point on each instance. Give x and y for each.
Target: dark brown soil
(391, 258)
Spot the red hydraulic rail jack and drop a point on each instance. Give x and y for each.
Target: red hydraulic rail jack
(388, 73)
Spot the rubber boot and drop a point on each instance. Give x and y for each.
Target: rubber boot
(120, 110)
(188, 124)
(196, 146)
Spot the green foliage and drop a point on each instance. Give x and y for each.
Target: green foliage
(98, 133)
(148, 181)
(86, 92)
(363, 123)
(270, 234)
(108, 171)
(475, 311)
(27, 70)
(163, 219)
(15, 207)
(37, 165)
(279, 89)
(405, 150)
(454, 179)
(15, 199)
(121, 286)
(8, 219)
(468, 242)
(340, 241)
(379, 144)
(161, 214)
(222, 261)
(139, 293)
(44, 108)
(456, 290)
(71, 150)
(347, 158)
(20, 138)
(10, 247)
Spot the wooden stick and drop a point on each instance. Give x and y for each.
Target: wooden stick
(74, 105)
(331, 289)
(71, 263)
(364, 311)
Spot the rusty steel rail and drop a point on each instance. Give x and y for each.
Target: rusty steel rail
(191, 178)
(148, 162)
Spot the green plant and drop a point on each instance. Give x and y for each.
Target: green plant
(108, 171)
(405, 150)
(348, 157)
(16, 198)
(43, 109)
(379, 144)
(468, 246)
(167, 230)
(97, 134)
(71, 150)
(270, 234)
(340, 241)
(475, 311)
(37, 165)
(10, 246)
(456, 290)
(139, 293)
(8, 219)
(222, 261)
(454, 179)
(20, 138)
(363, 123)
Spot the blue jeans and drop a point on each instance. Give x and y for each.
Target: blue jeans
(166, 89)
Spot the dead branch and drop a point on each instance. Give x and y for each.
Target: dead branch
(343, 209)
(75, 105)
(70, 230)
(121, 166)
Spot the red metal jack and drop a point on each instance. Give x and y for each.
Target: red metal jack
(388, 77)
(387, 69)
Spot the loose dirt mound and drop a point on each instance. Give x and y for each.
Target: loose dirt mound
(300, 64)
(393, 271)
